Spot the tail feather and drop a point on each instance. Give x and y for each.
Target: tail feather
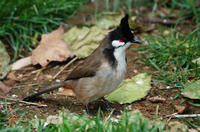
(50, 88)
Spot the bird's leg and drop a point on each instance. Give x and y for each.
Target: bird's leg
(108, 107)
(87, 110)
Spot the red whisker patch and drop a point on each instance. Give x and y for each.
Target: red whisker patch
(120, 40)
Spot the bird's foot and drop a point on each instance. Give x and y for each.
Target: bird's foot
(110, 109)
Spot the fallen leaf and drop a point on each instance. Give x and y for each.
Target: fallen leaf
(9, 82)
(12, 76)
(157, 99)
(108, 20)
(191, 90)
(21, 63)
(4, 88)
(179, 108)
(52, 47)
(131, 89)
(136, 114)
(84, 41)
(4, 61)
(58, 119)
(176, 126)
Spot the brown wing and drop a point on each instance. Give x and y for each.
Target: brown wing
(91, 64)
(86, 69)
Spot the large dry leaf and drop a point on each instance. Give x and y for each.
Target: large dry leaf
(52, 47)
(131, 89)
(4, 61)
(21, 63)
(4, 88)
(84, 41)
(192, 90)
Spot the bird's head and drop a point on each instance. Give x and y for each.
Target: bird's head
(122, 37)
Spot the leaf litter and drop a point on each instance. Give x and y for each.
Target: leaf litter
(131, 90)
(4, 61)
(146, 107)
(84, 40)
(52, 47)
(192, 90)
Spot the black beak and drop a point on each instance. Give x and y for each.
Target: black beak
(136, 41)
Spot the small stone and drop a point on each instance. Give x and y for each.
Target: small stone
(57, 80)
(180, 109)
(14, 96)
(156, 99)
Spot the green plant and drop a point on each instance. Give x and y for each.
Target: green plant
(5, 116)
(127, 122)
(22, 20)
(172, 56)
(71, 122)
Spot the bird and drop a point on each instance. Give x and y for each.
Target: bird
(102, 71)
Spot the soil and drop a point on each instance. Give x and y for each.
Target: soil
(41, 79)
(32, 79)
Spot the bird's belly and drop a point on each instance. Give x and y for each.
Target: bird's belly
(105, 81)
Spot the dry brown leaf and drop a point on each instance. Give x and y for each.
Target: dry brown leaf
(21, 63)
(12, 76)
(156, 99)
(179, 108)
(52, 47)
(4, 88)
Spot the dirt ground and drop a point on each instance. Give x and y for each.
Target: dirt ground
(30, 80)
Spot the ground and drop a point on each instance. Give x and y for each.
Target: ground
(30, 81)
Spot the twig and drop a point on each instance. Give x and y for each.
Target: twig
(25, 85)
(110, 114)
(25, 102)
(175, 115)
(40, 71)
(69, 63)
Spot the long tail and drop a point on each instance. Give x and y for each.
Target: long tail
(48, 89)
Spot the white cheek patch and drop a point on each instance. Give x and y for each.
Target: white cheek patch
(117, 43)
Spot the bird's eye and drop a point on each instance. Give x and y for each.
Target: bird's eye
(121, 40)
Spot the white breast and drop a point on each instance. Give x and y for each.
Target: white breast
(112, 77)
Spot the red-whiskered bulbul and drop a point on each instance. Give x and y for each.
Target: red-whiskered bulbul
(101, 72)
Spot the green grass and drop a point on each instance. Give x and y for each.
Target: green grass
(134, 122)
(172, 56)
(22, 20)
(71, 122)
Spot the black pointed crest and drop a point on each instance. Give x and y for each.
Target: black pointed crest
(123, 31)
(124, 27)
(124, 22)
